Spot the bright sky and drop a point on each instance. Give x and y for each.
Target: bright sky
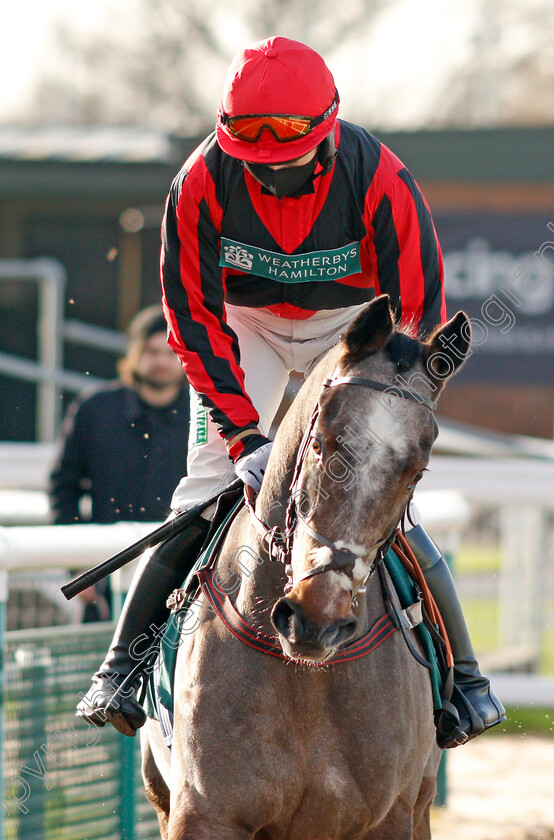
(397, 72)
(25, 39)
(403, 65)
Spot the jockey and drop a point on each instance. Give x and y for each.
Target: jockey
(278, 230)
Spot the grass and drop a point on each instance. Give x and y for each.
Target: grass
(481, 615)
(522, 721)
(475, 559)
(482, 612)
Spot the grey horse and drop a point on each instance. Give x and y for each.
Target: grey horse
(294, 744)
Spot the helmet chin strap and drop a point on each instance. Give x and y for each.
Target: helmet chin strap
(326, 154)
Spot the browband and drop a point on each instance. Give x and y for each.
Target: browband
(380, 386)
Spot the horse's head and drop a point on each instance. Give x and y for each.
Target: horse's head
(365, 450)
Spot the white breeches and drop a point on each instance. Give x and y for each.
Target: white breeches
(270, 348)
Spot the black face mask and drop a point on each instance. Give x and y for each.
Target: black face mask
(282, 182)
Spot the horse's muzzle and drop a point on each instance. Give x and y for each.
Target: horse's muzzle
(304, 638)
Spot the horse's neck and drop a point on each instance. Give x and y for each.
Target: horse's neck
(265, 581)
(260, 589)
(272, 500)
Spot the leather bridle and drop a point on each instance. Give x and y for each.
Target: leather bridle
(343, 560)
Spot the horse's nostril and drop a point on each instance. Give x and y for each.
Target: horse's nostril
(287, 620)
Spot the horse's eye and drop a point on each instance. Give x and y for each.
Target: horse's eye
(418, 477)
(316, 446)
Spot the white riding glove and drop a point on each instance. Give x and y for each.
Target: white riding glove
(251, 468)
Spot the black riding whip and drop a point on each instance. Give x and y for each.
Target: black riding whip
(158, 535)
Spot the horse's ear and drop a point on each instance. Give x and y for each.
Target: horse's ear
(447, 348)
(371, 329)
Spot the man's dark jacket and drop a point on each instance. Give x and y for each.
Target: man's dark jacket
(126, 455)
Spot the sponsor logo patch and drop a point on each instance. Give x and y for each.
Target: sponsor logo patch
(291, 268)
(198, 434)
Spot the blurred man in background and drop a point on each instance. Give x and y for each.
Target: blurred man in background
(123, 448)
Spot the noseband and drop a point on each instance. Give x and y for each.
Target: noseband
(343, 560)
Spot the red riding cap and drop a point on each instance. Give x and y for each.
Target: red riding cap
(276, 76)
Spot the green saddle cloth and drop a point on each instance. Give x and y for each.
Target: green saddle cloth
(162, 682)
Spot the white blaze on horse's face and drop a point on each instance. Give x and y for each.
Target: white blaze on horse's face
(387, 443)
(359, 475)
(308, 554)
(322, 556)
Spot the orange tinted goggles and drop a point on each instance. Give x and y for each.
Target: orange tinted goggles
(284, 127)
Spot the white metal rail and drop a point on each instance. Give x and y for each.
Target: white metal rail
(50, 277)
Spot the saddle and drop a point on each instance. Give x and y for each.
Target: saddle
(409, 606)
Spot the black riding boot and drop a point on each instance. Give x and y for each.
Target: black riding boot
(477, 706)
(138, 631)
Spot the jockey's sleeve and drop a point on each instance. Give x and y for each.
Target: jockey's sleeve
(193, 297)
(406, 251)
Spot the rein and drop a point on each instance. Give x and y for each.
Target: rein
(279, 544)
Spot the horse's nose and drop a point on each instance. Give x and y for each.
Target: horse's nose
(337, 632)
(290, 621)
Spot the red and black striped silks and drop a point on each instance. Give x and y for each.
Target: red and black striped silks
(362, 229)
